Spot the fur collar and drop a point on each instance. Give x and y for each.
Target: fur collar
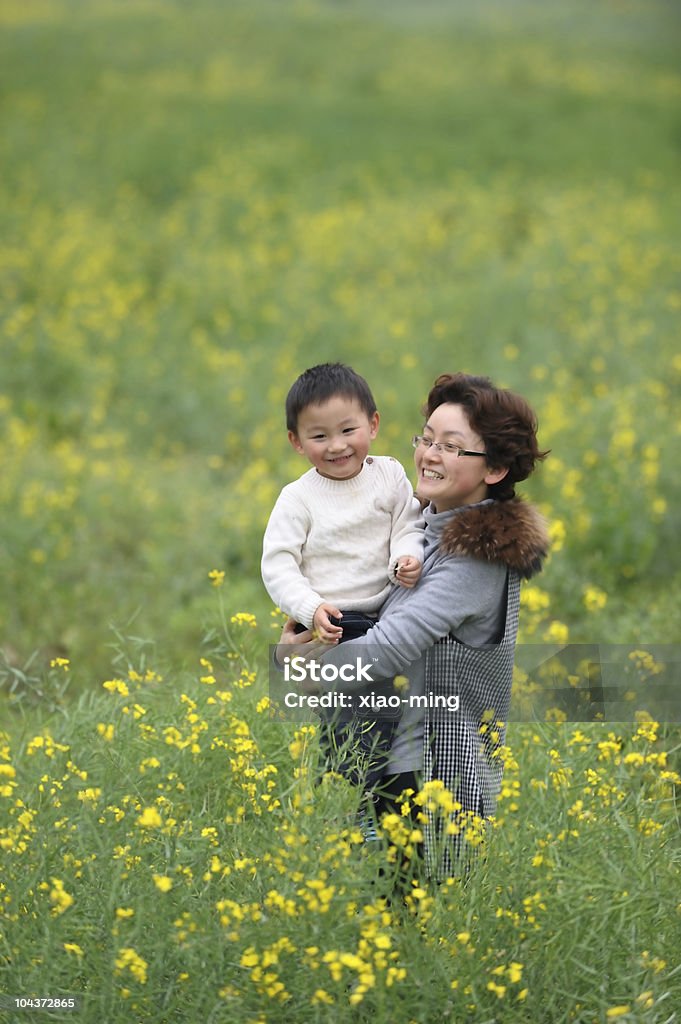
(511, 532)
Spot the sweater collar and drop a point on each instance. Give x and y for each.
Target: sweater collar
(436, 521)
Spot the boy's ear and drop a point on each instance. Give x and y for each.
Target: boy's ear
(373, 425)
(294, 441)
(495, 475)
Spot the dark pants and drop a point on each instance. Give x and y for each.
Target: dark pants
(356, 743)
(396, 879)
(389, 790)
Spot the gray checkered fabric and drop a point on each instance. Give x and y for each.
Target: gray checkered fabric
(460, 746)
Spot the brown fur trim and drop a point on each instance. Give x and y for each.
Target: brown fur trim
(511, 532)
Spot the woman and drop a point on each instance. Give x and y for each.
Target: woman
(454, 634)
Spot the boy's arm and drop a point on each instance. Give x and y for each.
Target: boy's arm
(406, 535)
(282, 556)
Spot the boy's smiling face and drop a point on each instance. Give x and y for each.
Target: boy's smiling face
(335, 436)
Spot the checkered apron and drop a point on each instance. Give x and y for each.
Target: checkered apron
(459, 746)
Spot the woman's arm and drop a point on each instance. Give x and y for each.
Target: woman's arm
(454, 594)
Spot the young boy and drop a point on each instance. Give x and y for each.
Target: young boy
(343, 534)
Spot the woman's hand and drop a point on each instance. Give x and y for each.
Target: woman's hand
(289, 635)
(300, 645)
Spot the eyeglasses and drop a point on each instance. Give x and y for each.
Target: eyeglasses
(419, 441)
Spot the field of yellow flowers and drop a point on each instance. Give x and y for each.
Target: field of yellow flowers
(196, 203)
(168, 856)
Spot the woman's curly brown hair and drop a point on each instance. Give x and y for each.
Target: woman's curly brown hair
(505, 422)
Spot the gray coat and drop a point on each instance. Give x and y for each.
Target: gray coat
(464, 750)
(510, 534)
(455, 634)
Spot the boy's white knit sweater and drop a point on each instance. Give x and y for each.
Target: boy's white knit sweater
(338, 540)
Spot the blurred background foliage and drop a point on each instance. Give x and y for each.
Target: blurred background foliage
(199, 201)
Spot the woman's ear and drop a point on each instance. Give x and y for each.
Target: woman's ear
(495, 475)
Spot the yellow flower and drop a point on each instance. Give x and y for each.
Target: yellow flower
(244, 619)
(61, 899)
(534, 599)
(150, 818)
(515, 971)
(217, 577)
(116, 686)
(557, 533)
(163, 883)
(73, 947)
(594, 598)
(106, 731)
(557, 633)
(128, 959)
(655, 962)
(249, 958)
(321, 996)
(90, 795)
(617, 1011)
(499, 990)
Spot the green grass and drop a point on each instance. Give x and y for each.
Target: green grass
(167, 857)
(196, 204)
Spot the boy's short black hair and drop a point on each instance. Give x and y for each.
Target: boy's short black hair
(320, 383)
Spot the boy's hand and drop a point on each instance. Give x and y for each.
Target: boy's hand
(408, 571)
(322, 625)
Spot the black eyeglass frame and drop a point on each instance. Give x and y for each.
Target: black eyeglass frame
(444, 447)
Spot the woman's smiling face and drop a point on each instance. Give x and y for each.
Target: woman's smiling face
(447, 480)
